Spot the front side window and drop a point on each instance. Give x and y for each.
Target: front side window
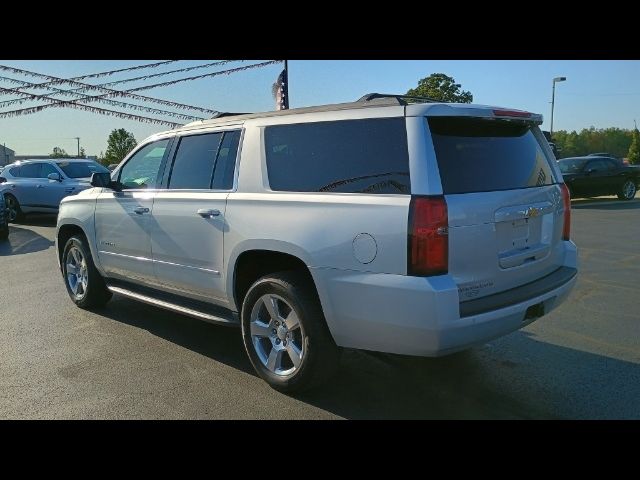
(349, 156)
(143, 168)
(47, 169)
(194, 162)
(81, 169)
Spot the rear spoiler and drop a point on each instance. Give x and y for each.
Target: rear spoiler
(477, 111)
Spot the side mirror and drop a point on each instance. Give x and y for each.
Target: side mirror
(54, 176)
(3, 180)
(591, 170)
(103, 180)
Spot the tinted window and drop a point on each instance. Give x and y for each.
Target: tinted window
(30, 170)
(572, 165)
(15, 171)
(194, 161)
(226, 162)
(353, 156)
(143, 168)
(598, 166)
(47, 169)
(476, 155)
(81, 169)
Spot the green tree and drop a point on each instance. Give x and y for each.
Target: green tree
(634, 149)
(119, 143)
(441, 87)
(59, 153)
(82, 154)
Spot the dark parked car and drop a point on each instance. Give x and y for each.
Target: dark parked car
(593, 176)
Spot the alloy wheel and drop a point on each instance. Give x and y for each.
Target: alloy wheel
(77, 272)
(277, 335)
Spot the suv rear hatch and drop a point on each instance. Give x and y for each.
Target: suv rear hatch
(505, 206)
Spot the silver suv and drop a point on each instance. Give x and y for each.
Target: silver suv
(39, 185)
(418, 229)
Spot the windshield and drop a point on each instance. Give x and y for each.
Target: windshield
(572, 165)
(81, 169)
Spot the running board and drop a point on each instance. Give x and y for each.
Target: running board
(228, 318)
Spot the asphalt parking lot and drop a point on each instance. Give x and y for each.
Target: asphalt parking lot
(132, 361)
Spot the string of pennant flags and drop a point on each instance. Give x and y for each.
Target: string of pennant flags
(105, 94)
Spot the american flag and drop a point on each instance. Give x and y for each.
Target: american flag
(281, 91)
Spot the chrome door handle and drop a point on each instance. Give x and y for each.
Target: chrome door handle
(39, 186)
(205, 213)
(141, 210)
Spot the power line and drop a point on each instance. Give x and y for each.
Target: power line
(18, 91)
(112, 72)
(102, 111)
(112, 93)
(162, 74)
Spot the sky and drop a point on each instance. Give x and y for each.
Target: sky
(599, 93)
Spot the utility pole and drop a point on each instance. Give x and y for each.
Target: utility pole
(286, 76)
(78, 139)
(553, 100)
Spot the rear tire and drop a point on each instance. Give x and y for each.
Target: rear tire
(13, 206)
(627, 190)
(285, 333)
(85, 285)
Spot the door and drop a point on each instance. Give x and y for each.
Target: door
(49, 193)
(594, 180)
(123, 219)
(27, 184)
(189, 216)
(504, 204)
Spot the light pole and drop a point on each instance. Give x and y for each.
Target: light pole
(553, 100)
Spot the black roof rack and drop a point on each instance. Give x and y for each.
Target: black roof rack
(227, 114)
(401, 99)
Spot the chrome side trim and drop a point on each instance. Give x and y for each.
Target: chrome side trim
(145, 259)
(141, 259)
(173, 307)
(214, 272)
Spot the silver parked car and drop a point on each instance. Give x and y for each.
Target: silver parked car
(40, 185)
(418, 229)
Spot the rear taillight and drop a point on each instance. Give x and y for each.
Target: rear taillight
(566, 201)
(428, 245)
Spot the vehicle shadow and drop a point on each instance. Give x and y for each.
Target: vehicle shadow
(39, 220)
(22, 240)
(605, 204)
(517, 376)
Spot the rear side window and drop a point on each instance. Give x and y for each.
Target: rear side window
(30, 170)
(477, 155)
(194, 162)
(350, 156)
(226, 162)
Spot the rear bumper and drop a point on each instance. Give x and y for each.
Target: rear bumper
(422, 316)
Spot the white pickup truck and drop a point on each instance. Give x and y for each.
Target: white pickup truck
(386, 225)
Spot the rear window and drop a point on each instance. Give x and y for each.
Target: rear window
(349, 156)
(477, 155)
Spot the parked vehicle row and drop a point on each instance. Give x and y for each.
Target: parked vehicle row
(418, 229)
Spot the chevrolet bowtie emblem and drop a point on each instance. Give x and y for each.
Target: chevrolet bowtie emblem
(532, 212)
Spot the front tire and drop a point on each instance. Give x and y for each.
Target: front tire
(627, 190)
(285, 333)
(84, 283)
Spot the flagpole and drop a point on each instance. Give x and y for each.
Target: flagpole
(286, 75)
